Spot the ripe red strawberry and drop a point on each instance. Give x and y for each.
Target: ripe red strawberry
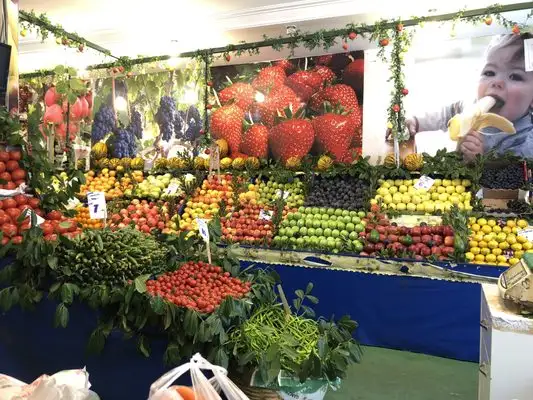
(226, 123)
(305, 83)
(334, 132)
(241, 93)
(255, 141)
(269, 78)
(327, 74)
(325, 60)
(278, 99)
(338, 94)
(353, 74)
(291, 137)
(286, 64)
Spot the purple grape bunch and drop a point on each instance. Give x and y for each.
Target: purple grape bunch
(124, 144)
(165, 117)
(194, 124)
(136, 124)
(104, 122)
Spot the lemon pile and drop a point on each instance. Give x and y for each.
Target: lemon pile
(401, 195)
(497, 242)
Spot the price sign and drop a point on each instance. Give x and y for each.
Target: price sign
(266, 215)
(425, 182)
(172, 188)
(283, 194)
(527, 233)
(202, 228)
(39, 219)
(97, 205)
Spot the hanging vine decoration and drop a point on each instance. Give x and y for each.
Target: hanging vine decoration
(29, 21)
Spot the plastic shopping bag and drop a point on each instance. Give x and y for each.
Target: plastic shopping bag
(205, 389)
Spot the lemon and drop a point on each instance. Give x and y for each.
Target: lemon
(491, 222)
(514, 229)
(482, 221)
(479, 257)
(503, 245)
(420, 207)
(392, 206)
(503, 264)
(470, 256)
(521, 239)
(429, 207)
(483, 244)
(493, 244)
(450, 189)
(441, 189)
(475, 250)
(501, 258)
(478, 237)
(490, 258)
(467, 195)
(389, 182)
(408, 182)
(522, 223)
(393, 189)
(397, 198)
(406, 198)
(385, 185)
(516, 246)
(438, 182)
(460, 189)
(511, 239)
(527, 246)
(472, 243)
(466, 182)
(439, 206)
(383, 191)
(511, 223)
(496, 229)
(387, 199)
(411, 190)
(486, 229)
(402, 189)
(454, 199)
(513, 261)
(401, 206)
(500, 237)
(476, 227)
(435, 196)
(487, 238)
(519, 253)
(461, 206)
(497, 251)
(443, 197)
(471, 220)
(446, 182)
(416, 199)
(506, 229)
(411, 207)
(398, 182)
(485, 251)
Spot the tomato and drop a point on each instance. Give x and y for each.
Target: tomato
(20, 199)
(33, 202)
(15, 155)
(9, 230)
(47, 228)
(51, 237)
(10, 186)
(18, 175)
(2, 166)
(6, 176)
(16, 239)
(13, 213)
(54, 215)
(5, 240)
(4, 156)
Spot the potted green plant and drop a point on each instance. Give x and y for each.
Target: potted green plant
(284, 352)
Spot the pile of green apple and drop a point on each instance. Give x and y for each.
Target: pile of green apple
(154, 186)
(326, 229)
(293, 192)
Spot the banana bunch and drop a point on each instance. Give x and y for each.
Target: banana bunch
(478, 117)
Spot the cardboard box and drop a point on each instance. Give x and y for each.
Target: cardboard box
(500, 194)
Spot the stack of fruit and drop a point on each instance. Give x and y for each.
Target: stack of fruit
(11, 173)
(250, 225)
(497, 242)
(57, 224)
(109, 182)
(198, 286)
(344, 192)
(401, 195)
(322, 229)
(10, 210)
(143, 215)
(83, 218)
(503, 177)
(154, 186)
(206, 201)
(293, 192)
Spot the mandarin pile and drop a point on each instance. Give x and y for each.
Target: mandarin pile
(110, 183)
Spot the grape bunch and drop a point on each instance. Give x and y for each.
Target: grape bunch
(503, 177)
(194, 124)
(165, 117)
(179, 124)
(344, 192)
(136, 124)
(104, 122)
(124, 143)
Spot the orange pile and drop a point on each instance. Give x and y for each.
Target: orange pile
(83, 218)
(108, 182)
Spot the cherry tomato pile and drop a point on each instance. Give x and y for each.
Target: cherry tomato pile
(198, 285)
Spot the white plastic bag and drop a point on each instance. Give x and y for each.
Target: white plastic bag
(205, 389)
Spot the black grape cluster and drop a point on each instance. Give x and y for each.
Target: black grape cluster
(194, 124)
(104, 122)
(503, 177)
(136, 124)
(179, 124)
(124, 144)
(165, 117)
(344, 192)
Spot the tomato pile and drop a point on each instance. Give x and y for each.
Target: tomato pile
(146, 216)
(198, 285)
(10, 210)
(10, 170)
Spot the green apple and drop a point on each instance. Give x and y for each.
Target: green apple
(361, 214)
(350, 227)
(359, 228)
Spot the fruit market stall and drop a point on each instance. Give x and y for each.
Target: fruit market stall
(148, 213)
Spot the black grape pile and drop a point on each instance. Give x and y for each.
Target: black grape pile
(165, 117)
(504, 177)
(104, 122)
(136, 124)
(344, 192)
(124, 143)
(514, 206)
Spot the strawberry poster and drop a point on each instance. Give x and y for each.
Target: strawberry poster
(287, 110)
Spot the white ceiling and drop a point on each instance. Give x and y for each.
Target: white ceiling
(135, 27)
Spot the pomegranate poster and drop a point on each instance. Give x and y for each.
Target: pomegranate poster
(287, 110)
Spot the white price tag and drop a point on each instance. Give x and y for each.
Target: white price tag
(528, 54)
(527, 233)
(479, 194)
(284, 195)
(266, 215)
(425, 182)
(202, 228)
(28, 214)
(97, 205)
(172, 188)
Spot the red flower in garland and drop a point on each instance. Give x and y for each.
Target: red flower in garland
(405, 92)
(396, 108)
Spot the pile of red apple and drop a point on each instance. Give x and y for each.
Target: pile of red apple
(10, 170)
(12, 230)
(419, 242)
(247, 226)
(143, 215)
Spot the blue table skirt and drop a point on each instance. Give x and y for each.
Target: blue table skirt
(434, 317)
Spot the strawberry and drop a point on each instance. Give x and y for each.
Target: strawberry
(242, 93)
(226, 123)
(334, 131)
(292, 137)
(269, 78)
(352, 154)
(305, 84)
(286, 64)
(324, 60)
(327, 74)
(353, 74)
(338, 94)
(255, 141)
(278, 99)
